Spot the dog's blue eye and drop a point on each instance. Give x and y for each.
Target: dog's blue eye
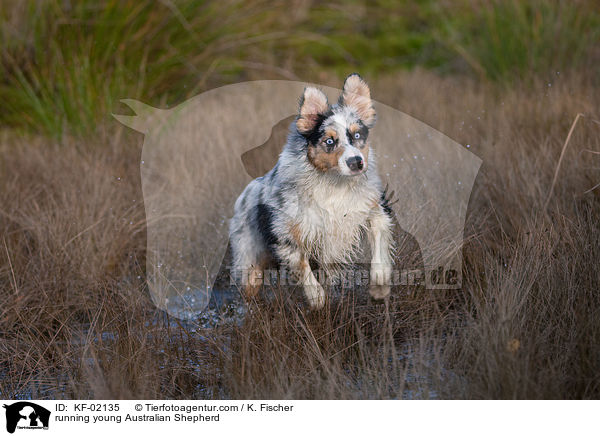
(357, 135)
(329, 141)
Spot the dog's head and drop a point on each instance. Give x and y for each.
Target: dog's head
(337, 136)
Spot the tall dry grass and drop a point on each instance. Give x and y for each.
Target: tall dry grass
(77, 321)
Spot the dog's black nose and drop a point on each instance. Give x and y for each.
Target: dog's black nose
(355, 163)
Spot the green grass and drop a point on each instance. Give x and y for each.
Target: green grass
(65, 69)
(502, 40)
(65, 65)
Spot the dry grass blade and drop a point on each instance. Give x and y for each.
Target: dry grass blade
(12, 271)
(562, 153)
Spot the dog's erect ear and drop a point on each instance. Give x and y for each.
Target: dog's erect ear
(313, 103)
(356, 94)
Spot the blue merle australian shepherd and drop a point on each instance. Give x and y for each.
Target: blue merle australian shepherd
(323, 194)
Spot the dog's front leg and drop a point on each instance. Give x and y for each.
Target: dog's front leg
(298, 263)
(312, 288)
(380, 240)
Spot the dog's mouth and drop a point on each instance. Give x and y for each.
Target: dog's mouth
(358, 172)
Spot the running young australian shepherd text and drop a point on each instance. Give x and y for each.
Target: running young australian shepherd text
(323, 194)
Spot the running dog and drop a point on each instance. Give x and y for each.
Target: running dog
(319, 199)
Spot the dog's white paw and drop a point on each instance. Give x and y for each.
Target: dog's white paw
(315, 295)
(381, 279)
(381, 274)
(379, 292)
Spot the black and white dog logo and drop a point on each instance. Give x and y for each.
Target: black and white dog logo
(26, 415)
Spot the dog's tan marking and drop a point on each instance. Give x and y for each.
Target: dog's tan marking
(300, 268)
(365, 151)
(314, 103)
(330, 133)
(256, 277)
(255, 281)
(304, 265)
(296, 234)
(322, 160)
(357, 95)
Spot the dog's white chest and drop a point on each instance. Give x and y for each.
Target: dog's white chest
(332, 221)
(339, 206)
